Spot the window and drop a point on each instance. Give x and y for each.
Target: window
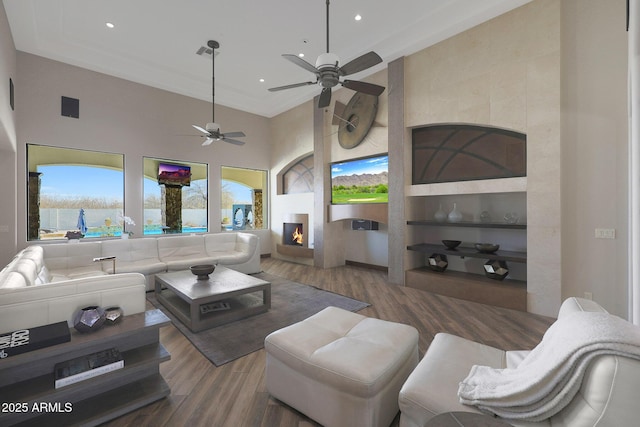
(299, 177)
(175, 196)
(73, 193)
(244, 199)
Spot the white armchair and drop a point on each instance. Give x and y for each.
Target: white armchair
(607, 395)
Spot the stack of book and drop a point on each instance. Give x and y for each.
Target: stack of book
(89, 366)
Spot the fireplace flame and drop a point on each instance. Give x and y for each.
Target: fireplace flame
(297, 236)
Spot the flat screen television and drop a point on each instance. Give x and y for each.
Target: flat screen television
(361, 180)
(172, 174)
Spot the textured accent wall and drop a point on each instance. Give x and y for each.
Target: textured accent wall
(506, 73)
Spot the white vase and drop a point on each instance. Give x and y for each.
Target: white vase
(455, 215)
(440, 215)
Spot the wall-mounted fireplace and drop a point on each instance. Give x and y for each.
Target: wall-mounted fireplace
(293, 234)
(295, 239)
(294, 227)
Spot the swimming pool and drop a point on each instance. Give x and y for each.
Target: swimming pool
(147, 232)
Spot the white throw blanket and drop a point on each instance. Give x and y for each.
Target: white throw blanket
(550, 376)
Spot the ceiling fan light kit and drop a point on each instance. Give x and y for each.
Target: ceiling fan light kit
(211, 130)
(328, 72)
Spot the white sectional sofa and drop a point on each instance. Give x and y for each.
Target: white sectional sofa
(47, 283)
(29, 297)
(152, 255)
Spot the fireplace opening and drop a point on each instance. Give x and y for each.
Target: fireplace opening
(293, 234)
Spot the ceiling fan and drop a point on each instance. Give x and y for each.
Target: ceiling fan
(211, 130)
(328, 72)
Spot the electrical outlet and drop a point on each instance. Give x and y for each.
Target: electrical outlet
(605, 233)
(588, 295)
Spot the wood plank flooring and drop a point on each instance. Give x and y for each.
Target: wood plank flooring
(235, 395)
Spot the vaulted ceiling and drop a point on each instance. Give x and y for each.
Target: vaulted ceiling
(154, 42)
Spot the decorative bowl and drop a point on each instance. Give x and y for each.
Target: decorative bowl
(202, 270)
(487, 248)
(89, 319)
(451, 244)
(112, 315)
(438, 262)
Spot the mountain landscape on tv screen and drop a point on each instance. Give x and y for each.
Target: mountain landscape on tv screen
(360, 188)
(365, 179)
(177, 177)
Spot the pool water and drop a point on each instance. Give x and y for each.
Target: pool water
(150, 232)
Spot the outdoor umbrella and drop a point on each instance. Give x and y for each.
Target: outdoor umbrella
(82, 224)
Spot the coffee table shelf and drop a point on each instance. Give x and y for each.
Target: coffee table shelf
(183, 295)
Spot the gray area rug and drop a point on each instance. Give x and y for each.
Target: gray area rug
(290, 303)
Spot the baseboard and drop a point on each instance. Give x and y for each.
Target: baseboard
(369, 266)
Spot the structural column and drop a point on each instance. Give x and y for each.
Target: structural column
(33, 206)
(172, 208)
(400, 169)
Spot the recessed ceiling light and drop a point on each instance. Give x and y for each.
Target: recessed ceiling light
(301, 55)
(109, 25)
(261, 80)
(357, 17)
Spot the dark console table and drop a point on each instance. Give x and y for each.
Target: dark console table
(27, 380)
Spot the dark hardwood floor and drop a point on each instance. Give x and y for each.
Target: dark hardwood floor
(235, 395)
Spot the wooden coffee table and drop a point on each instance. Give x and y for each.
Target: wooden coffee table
(197, 302)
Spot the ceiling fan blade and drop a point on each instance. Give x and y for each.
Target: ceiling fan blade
(203, 130)
(360, 63)
(233, 134)
(301, 63)
(325, 98)
(233, 141)
(207, 141)
(275, 89)
(368, 88)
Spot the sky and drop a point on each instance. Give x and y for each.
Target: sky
(80, 181)
(372, 165)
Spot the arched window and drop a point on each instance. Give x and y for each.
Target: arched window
(73, 193)
(298, 178)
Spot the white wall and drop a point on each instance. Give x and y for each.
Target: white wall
(119, 116)
(7, 142)
(292, 133)
(594, 154)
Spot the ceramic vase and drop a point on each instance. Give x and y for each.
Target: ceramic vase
(440, 215)
(455, 215)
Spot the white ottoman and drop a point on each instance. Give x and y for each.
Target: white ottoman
(341, 368)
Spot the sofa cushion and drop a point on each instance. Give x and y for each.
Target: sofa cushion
(220, 243)
(11, 280)
(71, 255)
(231, 248)
(181, 252)
(133, 256)
(25, 267)
(432, 388)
